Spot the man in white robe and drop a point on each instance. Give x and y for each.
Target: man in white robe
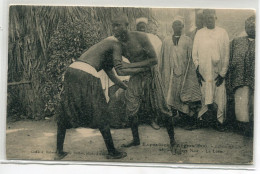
(211, 57)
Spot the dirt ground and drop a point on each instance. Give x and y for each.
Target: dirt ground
(36, 140)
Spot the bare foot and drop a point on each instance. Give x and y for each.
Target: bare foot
(172, 146)
(176, 151)
(116, 155)
(60, 155)
(172, 143)
(133, 143)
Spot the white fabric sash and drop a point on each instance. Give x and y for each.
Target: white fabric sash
(85, 67)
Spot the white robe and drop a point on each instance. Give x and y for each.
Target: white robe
(211, 54)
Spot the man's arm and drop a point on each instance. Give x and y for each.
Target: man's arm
(149, 53)
(110, 73)
(225, 59)
(118, 63)
(130, 71)
(225, 50)
(195, 57)
(162, 53)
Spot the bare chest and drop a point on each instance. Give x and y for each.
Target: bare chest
(133, 51)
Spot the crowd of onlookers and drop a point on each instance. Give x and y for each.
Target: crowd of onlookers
(194, 78)
(208, 81)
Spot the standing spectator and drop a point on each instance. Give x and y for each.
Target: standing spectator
(241, 75)
(191, 90)
(175, 55)
(199, 22)
(211, 57)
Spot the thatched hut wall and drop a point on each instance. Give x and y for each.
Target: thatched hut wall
(43, 40)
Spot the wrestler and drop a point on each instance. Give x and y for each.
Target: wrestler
(144, 90)
(83, 102)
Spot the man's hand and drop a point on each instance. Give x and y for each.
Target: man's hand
(118, 66)
(110, 73)
(200, 78)
(125, 65)
(124, 86)
(219, 80)
(122, 65)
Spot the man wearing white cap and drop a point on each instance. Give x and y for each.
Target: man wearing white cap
(175, 57)
(141, 24)
(211, 57)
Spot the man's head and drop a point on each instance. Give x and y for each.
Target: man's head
(119, 25)
(177, 25)
(250, 26)
(210, 18)
(141, 24)
(199, 19)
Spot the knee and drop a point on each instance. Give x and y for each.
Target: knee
(133, 120)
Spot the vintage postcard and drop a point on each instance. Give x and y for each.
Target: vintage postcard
(141, 85)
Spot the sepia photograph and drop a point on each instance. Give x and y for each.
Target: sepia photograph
(131, 85)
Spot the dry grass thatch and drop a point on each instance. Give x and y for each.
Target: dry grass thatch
(33, 56)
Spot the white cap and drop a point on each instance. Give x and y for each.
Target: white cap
(142, 19)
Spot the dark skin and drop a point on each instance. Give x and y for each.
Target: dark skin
(137, 48)
(141, 26)
(210, 21)
(200, 78)
(177, 27)
(103, 55)
(250, 28)
(199, 21)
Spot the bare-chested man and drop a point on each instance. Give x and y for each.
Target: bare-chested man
(144, 89)
(83, 101)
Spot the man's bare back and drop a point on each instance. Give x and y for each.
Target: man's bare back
(100, 55)
(108, 54)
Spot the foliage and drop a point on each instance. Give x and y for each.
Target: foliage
(67, 43)
(26, 57)
(43, 40)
